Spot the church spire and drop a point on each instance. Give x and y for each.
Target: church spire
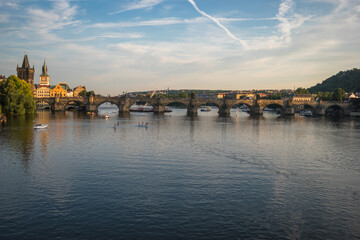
(44, 69)
(26, 63)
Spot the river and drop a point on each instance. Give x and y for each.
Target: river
(204, 177)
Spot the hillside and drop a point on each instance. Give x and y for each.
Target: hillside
(348, 80)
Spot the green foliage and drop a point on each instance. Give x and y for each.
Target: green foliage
(325, 96)
(90, 93)
(276, 96)
(348, 80)
(176, 95)
(339, 94)
(16, 97)
(302, 91)
(82, 93)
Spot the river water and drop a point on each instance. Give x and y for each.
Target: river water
(181, 178)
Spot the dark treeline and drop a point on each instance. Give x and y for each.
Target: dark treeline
(348, 80)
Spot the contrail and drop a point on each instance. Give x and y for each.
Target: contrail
(218, 23)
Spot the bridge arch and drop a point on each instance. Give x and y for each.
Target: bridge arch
(76, 102)
(42, 105)
(64, 102)
(334, 110)
(302, 107)
(275, 106)
(210, 102)
(105, 106)
(240, 106)
(180, 104)
(177, 102)
(138, 104)
(106, 101)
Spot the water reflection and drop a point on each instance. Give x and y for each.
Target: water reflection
(19, 134)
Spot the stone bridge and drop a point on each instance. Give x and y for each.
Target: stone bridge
(256, 107)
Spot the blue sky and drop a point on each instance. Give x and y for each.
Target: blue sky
(115, 46)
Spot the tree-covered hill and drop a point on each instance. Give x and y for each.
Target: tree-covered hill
(348, 80)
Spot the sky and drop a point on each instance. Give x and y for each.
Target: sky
(115, 46)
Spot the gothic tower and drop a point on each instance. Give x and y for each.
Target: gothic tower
(44, 77)
(26, 73)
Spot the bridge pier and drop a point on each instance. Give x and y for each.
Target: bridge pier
(159, 109)
(124, 105)
(57, 106)
(224, 111)
(91, 108)
(192, 111)
(319, 111)
(256, 110)
(288, 111)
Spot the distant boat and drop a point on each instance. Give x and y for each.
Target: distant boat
(306, 113)
(168, 109)
(141, 109)
(246, 109)
(205, 109)
(40, 126)
(268, 109)
(147, 109)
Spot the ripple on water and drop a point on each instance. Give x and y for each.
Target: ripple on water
(192, 178)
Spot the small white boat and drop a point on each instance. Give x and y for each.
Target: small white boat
(167, 109)
(267, 109)
(246, 109)
(40, 126)
(306, 113)
(205, 109)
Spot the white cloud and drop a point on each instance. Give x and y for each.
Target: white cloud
(216, 21)
(61, 15)
(288, 21)
(139, 4)
(156, 22)
(298, 52)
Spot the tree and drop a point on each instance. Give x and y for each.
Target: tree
(16, 97)
(326, 96)
(82, 93)
(90, 93)
(183, 95)
(339, 94)
(302, 91)
(348, 80)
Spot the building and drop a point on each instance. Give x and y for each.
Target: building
(59, 90)
(303, 97)
(26, 73)
(43, 89)
(234, 95)
(351, 95)
(78, 90)
(70, 93)
(220, 95)
(250, 95)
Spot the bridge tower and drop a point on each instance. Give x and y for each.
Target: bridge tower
(25, 72)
